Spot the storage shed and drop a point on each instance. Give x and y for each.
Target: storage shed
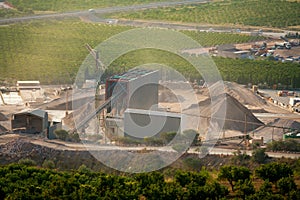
(32, 121)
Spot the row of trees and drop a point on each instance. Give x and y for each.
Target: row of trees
(279, 175)
(24, 181)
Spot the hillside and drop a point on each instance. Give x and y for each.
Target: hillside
(38, 7)
(279, 14)
(52, 51)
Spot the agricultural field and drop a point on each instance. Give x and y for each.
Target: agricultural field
(49, 51)
(208, 39)
(37, 6)
(242, 71)
(267, 13)
(52, 51)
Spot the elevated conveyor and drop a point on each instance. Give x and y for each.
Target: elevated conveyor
(96, 111)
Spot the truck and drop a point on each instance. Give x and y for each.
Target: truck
(282, 45)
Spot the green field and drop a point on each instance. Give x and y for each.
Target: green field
(25, 7)
(242, 71)
(268, 13)
(208, 39)
(52, 51)
(49, 51)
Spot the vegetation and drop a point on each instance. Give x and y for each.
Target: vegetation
(261, 72)
(234, 175)
(207, 39)
(291, 145)
(48, 164)
(35, 6)
(259, 155)
(19, 181)
(162, 140)
(229, 12)
(65, 136)
(274, 172)
(243, 71)
(49, 51)
(241, 159)
(27, 162)
(52, 52)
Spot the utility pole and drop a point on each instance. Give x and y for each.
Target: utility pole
(245, 131)
(95, 54)
(67, 102)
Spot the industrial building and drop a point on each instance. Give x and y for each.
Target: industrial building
(34, 121)
(148, 123)
(134, 110)
(137, 88)
(229, 51)
(30, 91)
(28, 85)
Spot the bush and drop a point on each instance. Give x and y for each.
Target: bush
(61, 134)
(74, 137)
(168, 136)
(65, 136)
(27, 162)
(259, 155)
(287, 145)
(194, 163)
(48, 164)
(84, 169)
(180, 147)
(240, 158)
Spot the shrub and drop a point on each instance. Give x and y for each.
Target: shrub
(27, 162)
(287, 145)
(48, 164)
(259, 155)
(61, 134)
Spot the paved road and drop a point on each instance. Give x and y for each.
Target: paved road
(136, 23)
(277, 115)
(222, 151)
(59, 145)
(186, 26)
(91, 147)
(101, 11)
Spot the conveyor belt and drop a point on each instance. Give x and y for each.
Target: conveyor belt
(93, 114)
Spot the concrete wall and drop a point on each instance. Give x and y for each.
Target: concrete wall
(145, 123)
(51, 132)
(143, 91)
(140, 93)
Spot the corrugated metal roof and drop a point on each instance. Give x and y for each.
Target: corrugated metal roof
(132, 74)
(38, 113)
